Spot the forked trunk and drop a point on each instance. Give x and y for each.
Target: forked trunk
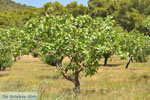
(127, 65)
(74, 80)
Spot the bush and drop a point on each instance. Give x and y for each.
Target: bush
(50, 59)
(5, 61)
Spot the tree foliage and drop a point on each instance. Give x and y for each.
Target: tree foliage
(11, 45)
(146, 25)
(128, 13)
(82, 39)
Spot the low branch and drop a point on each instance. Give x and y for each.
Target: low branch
(81, 65)
(59, 67)
(67, 77)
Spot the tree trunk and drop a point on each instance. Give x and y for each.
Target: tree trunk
(0, 68)
(4, 68)
(74, 80)
(127, 65)
(15, 59)
(19, 58)
(77, 83)
(77, 86)
(105, 61)
(106, 56)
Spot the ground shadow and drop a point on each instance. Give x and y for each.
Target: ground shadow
(92, 91)
(2, 75)
(31, 61)
(47, 69)
(43, 77)
(111, 65)
(133, 69)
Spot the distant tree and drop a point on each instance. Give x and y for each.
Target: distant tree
(5, 50)
(135, 44)
(102, 8)
(54, 8)
(146, 25)
(11, 45)
(76, 10)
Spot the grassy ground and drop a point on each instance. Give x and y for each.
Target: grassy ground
(110, 83)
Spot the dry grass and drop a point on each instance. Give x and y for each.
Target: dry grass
(112, 82)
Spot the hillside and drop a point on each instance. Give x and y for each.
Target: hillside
(8, 5)
(12, 13)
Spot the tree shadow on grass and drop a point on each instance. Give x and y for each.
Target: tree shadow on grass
(111, 65)
(47, 69)
(133, 69)
(31, 61)
(2, 75)
(42, 77)
(92, 91)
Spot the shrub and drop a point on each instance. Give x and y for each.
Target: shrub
(5, 61)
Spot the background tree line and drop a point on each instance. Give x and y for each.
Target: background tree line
(128, 13)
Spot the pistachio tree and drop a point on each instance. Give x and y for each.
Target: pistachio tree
(10, 45)
(82, 39)
(135, 44)
(110, 38)
(5, 50)
(15, 36)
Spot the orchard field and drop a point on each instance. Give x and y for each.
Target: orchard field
(76, 52)
(112, 82)
(75, 49)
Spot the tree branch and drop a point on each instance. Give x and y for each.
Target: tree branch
(59, 67)
(81, 65)
(67, 77)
